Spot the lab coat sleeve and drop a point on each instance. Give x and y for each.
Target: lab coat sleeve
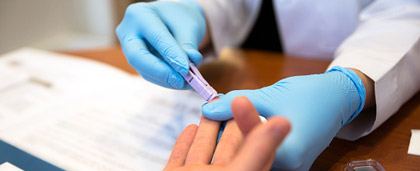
(386, 48)
(230, 21)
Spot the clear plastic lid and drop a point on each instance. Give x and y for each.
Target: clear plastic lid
(364, 165)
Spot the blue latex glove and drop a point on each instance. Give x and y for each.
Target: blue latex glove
(160, 38)
(316, 105)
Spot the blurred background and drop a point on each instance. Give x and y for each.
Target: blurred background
(60, 24)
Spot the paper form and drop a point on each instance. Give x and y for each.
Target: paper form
(6, 166)
(82, 115)
(414, 146)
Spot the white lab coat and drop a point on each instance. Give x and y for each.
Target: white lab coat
(380, 38)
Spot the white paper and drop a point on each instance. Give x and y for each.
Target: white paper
(83, 115)
(6, 166)
(414, 147)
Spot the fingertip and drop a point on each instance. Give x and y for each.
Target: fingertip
(186, 87)
(243, 107)
(181, 147)
(241, 103)
(208, 107)
(164, 82)
(182, 67)
(280, 126)
(216, 113)
(178, 59)
(176, 81)
(192, 127)
(260, 145)
(195, 56)
(217, 109)
(245, 114)
(207, 110)
(213, 105)
(283, 121)
(240, 100)
(189, 131)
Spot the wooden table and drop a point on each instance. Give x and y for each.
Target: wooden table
(249, 69)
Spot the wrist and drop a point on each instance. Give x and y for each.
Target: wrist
(370, 90)
(359, 86)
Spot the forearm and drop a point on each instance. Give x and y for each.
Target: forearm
(373, 51)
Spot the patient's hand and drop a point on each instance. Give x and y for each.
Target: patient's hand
(196, 146)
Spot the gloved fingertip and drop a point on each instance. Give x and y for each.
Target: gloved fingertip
(218, 117)
(186, 87)
(182, 69)
(194, 55)
(176, 81)
(180, 64)
(207, 108)
(216, 110)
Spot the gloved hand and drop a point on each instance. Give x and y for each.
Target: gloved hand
(316, 105)
(159, 38)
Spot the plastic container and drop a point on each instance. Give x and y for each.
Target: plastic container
(364, 165)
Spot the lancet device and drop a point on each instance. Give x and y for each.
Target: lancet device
(199, 84)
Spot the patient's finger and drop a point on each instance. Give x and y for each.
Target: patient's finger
(245, 114)
(228, 144)
(181, 147)
(202, 148)
(260, 145)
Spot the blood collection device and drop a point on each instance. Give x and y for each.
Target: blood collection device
(199, 84)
